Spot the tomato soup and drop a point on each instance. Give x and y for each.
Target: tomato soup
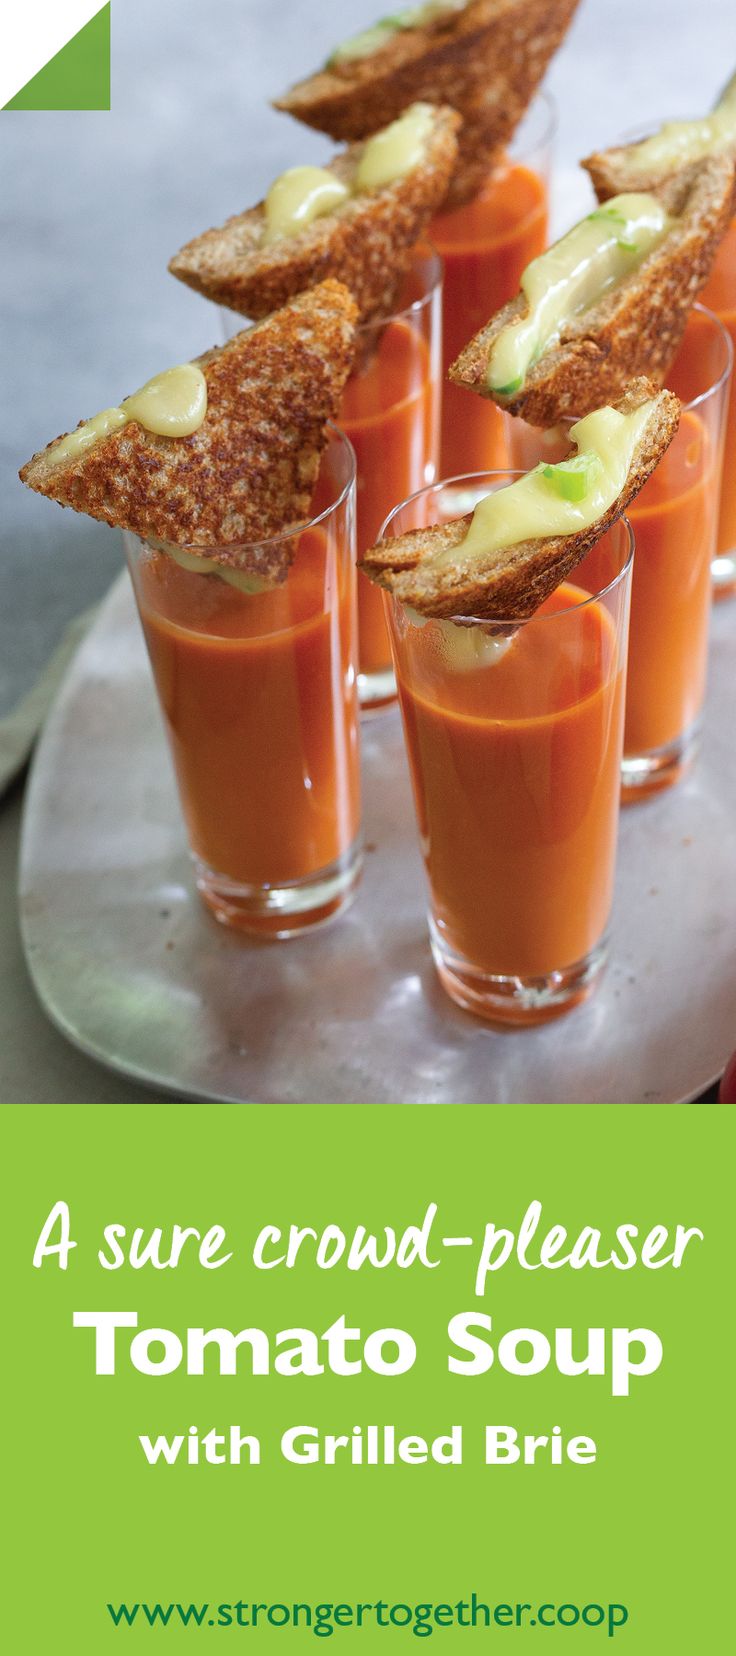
(485, 245)
(259, 703)
(515, 769)
(390, 413)
(674, 519)
(720, 296)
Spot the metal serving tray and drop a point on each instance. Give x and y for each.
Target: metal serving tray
(130, 967)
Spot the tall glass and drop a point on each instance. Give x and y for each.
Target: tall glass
(485, 246)
(259, 698)
(391, 413)
(719, 296)
(675, 520)
(514, 746)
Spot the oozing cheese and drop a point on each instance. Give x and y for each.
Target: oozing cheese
(412, 17)
(397, 149)
(572, 276)
(302, 194)
(207, 566)
(299, 196)
(680, 142)
(532, 508)
(172, 404)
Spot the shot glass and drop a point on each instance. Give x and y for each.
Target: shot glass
(514, 742)
(258, 693)
(485, 246)
(391, 414)
(719, 296)
(675, 520)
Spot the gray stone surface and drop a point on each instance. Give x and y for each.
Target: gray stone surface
(94, 204)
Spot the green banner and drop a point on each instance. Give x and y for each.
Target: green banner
(78, 77)
(397, 1374)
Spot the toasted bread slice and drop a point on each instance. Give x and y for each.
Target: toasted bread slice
(486, 61)
(635, 329)
(509, 585)
(248, 472)
(367, 244)
(615, 170)
(611, 174)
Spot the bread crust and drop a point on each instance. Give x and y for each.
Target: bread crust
(635, 329)
(508, 586)
(486, 61)
(248, 473)
(367, 244)
(611, 173)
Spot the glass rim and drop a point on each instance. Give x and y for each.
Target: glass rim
(722, 379)
(505, 621)
(422, 250)
(285, 534)
(543, 100)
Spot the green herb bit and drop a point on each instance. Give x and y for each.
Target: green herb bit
(509, 390)
(365, 44)
(612, 216)
(573, 479)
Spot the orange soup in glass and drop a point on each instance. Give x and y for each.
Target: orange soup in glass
(486, 245)
(720, 296)
(258, 696)
(514, 745)
(675, 520)
(390, 412)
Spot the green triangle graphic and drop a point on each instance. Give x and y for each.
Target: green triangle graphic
(78, 77)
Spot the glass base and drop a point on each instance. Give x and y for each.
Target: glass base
(287, 910)
(723, 571)
(648, 773)
(503, 999)
(376, 689)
